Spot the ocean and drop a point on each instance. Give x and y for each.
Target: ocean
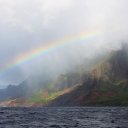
(64, 117)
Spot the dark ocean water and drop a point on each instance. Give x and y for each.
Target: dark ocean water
(85, 117)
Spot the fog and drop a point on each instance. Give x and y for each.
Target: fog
(27, 24)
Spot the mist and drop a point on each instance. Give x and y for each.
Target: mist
(27, 24)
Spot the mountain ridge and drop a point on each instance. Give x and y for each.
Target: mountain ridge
(107, 81)
(103, 83)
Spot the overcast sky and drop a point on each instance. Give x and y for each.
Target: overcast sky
(26, 24)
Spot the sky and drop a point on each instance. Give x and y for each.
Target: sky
(26, 25)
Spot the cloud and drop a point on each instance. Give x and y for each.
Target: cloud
(31, 15)
(27, 24)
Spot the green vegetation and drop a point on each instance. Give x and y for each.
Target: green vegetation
(45, 97)
(113, 101)
(119, 97)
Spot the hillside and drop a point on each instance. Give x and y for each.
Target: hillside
(106, 84)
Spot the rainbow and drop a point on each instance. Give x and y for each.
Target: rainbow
(48, 47)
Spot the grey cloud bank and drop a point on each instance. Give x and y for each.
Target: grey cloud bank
(26, 24)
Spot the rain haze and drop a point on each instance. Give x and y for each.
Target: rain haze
(26, 25)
